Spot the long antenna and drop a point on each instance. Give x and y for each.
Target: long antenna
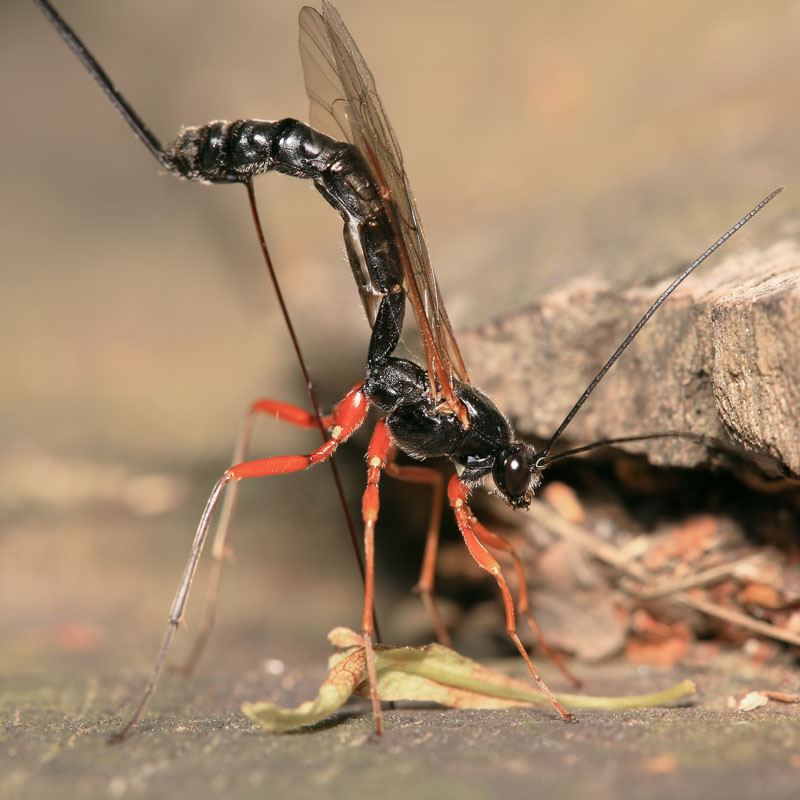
(698, 438)
(105, 83)
(649, 313)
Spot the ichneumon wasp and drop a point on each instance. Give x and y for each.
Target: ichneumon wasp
(351, 155)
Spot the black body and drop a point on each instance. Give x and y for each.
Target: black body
(420, 424)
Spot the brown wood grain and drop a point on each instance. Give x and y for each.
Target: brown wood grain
(721, 358)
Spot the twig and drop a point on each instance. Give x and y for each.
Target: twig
(781, 697)
(611, 555)
(571, 532)
(737, 618)
(694, 580)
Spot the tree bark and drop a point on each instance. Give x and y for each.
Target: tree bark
(721, 359)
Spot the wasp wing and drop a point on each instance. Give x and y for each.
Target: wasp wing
(345, 104)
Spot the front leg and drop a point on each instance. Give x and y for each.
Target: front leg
(458, 494)
(491, 539)
(380, 446)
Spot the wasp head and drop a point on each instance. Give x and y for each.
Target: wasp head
(516, 474)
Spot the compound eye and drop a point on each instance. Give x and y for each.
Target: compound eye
(515, 473)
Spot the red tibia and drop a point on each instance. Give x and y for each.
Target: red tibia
(379, 447)
(347, 418)
(457, 493)
(491, 539)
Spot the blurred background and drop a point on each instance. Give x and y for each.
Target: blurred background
(544, 141)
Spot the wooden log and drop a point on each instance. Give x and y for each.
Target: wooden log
(721, 358)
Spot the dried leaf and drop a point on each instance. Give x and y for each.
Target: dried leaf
(587, 624)
(758, 594)
(752, 700)
(685, 543)
(657, 643)
(564, 499)
(427, 674)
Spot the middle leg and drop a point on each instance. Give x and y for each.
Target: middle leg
(433, 478)
(380, 447)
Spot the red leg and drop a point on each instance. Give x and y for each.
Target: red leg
(220, 550)
(491, 539)
(379, 447)
(458, 493)
(348, 416)
(346, 419)
(432, 477)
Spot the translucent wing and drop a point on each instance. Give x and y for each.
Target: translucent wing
(345, 104)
